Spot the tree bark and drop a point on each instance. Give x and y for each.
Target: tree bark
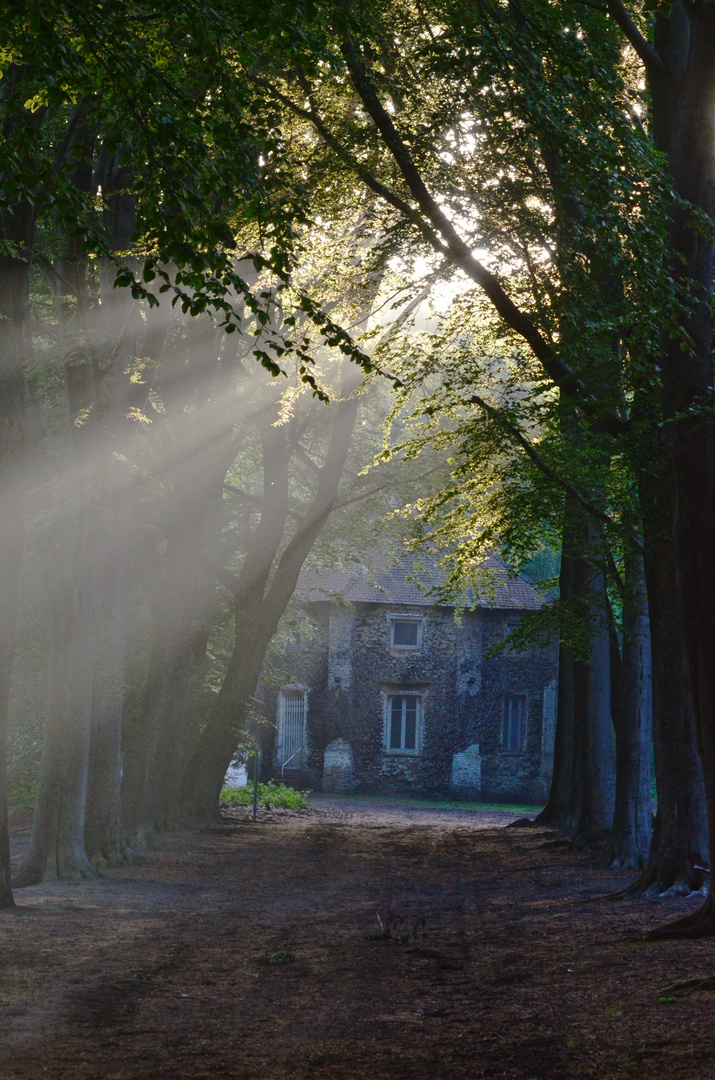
(558, 808)
(17, 230)
(680, 836)
(629, 840)
(593, 702)
(57, 848)
(683, 125)
(14, 350)
(103, 830)
(155, 743)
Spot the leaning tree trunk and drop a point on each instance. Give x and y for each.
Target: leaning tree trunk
(207, 768)
(629, 840)
(199, 396)
(258, 613)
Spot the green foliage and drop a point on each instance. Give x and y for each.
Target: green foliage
(21, 795)
(278, 956)
(271, 796)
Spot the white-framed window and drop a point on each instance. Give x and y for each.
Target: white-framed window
(292, 727)
(513, 734)
(403, 724)
(406, 632)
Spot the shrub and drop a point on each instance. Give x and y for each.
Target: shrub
(270, 795)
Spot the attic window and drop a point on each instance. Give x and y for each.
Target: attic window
(405, 633)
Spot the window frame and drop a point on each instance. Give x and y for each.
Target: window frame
(297, 689)
(507, 719)
(395, 618)
(401, 751)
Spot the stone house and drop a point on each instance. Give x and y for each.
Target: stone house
(393, 693)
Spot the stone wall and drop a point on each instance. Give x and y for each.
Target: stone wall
(351, 669)
(465, 780)
(513, 776)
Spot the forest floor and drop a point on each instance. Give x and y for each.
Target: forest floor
(254, 950)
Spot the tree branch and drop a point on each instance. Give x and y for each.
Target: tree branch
(651, 59)
(364, 174)
(226, 578)
(451, 243)
(376, 490)
(544, 467)
(239, 493)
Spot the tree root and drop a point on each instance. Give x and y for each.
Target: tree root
(616, 856)
(38, 870)
(588, 842)
(118, 856)
(521, 823)
(699, 924)
(659, 880)
(687, 986)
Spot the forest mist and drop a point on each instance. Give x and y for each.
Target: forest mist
(174, 490)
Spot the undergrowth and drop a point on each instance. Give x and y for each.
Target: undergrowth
(270, 796)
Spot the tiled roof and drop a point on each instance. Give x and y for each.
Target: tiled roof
(390, 586)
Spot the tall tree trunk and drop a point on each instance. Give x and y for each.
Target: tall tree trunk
(103, 830)
(629, 840)
(14, 350)
(682, 89)
(17, 233)
(593, 696)
(680, 835)
(559, 805)
(57, 849)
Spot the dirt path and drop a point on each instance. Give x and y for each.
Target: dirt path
(254, 951)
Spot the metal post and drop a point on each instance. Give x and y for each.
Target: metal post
(255, 774)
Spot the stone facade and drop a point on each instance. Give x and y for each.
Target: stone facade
(401, 696)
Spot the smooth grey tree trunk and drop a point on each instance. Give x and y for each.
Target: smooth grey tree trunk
(57, 849)
(103, 830)
(593, 702)
(17, 233)
(629, 841)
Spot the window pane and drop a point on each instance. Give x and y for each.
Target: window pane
(405, 632)
(513, 724)
(411, 724)
(396, 723)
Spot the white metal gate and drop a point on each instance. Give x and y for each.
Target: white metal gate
(292, 729)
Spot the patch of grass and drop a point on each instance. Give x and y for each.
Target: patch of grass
(270, 796)
(278, 956)
(440, 804)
